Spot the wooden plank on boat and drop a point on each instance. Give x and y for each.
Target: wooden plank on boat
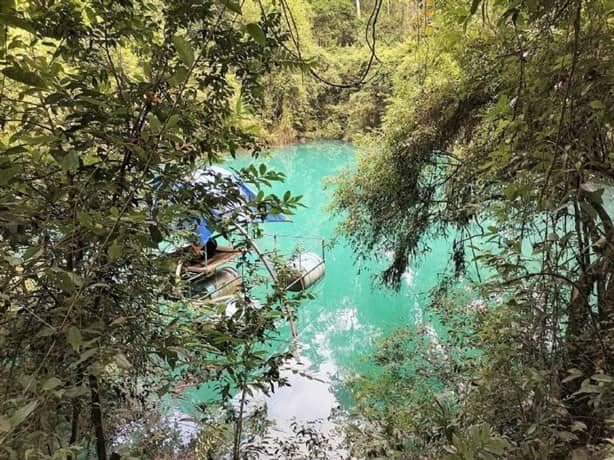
(223, 255)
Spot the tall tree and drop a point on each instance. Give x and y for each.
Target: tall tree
(503, 138)
(105, 107)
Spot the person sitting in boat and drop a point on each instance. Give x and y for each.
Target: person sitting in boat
(207, 252)
(211, 247)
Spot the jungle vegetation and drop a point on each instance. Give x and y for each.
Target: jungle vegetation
(489, 122)
(106, 106)
(498, 134)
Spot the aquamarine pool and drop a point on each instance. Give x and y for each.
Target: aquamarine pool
(338, 327)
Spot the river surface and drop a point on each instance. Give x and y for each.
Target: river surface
(337, 329)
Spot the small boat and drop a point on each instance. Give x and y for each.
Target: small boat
(305, 270)
(209, 279)
(223, 283)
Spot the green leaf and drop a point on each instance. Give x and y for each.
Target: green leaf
(139, 152)
(154, 122)
(597, 105)
(40, 140)
(256, 33)
(46, 332)
(75, 392)
(122, 361)
(6, 175)
(91, 101)
(14, 21)
(172, 121)
(54, 98)
(115, 251)
(566, 436)
(5, 425)
(24, 76)
(232, 5)
(578, 426)
(51, 384)
(87, 355)
(21, 414)
(181, 73)
(65, 280)
(73, 337)
(32, 251)
(70, 161)
(85, 218)
(184, 49)
(156, 235)
(603, 378)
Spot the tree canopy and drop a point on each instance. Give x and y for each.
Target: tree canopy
(107, 106)
(499, 134)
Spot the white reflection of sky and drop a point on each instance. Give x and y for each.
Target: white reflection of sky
(305, 398)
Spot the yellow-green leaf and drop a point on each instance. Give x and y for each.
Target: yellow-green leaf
(256, 33)
(70, 161)
(184, 49)
(51, 384)
(115, 251)
(597, 105)
(73, 337)
(154, 122)
(172, 121)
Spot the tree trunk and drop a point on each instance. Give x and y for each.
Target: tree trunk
(236, 451)
(101, 449)
(358, 8)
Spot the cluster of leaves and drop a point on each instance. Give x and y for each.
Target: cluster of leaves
(500, 132)
(105, 107)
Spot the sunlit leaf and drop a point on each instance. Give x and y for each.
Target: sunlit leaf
(256, 33)
(184, 49)
(24, 76)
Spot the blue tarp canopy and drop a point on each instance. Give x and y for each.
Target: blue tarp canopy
(213, 175)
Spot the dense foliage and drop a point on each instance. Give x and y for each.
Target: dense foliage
(499, 135)
(343, 100)
(105, 107)
(489, 123)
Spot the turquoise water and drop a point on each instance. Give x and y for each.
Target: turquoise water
(349, 312)
(337, 328)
